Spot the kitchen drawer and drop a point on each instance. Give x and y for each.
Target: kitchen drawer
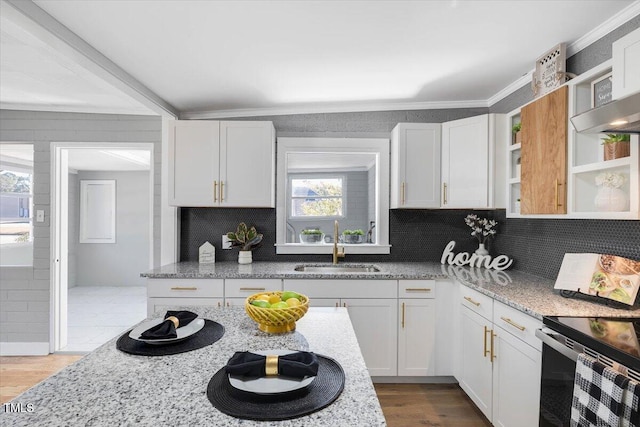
(517, 323)
(334, 288)
(416, 288)
(477, 302)
(164, 304)
(185, 288)
(242, 288)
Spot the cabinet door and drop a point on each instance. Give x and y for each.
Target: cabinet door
(193, 163)
(544, 155)
(416, 337)
(247, 166)
(465, 163)
(375, 324)
(415, 166)
(164, 304)
(626, 63)
(516, 382)
(475, 364)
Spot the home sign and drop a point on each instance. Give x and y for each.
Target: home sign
(501, 262)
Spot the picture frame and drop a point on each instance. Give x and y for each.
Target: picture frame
(550, 72)
(601, 90)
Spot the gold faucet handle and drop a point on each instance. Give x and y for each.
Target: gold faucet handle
(341, 251)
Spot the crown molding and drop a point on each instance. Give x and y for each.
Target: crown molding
(88, 109)
(332, 108)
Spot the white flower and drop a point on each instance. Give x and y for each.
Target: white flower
(610, 180)
(481, 228)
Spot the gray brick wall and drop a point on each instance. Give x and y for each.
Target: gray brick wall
(24, 292)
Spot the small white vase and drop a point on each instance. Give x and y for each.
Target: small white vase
(244, 257)
(610, 200)
(482, 251)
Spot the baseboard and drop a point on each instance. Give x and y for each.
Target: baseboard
(24, 348)
(414, 380)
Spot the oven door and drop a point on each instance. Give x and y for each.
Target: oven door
(558, 374)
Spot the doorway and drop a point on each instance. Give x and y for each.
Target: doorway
(102, 239)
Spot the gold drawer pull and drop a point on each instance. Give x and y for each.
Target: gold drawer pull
(252, 289)
(476, 303)
(484, 342)
(184, 288)
(402, 315)
(402, 203)
(221, 191)
(417, 289)
(492, 354)
(512, 323)
(444, 193)
(215, 191)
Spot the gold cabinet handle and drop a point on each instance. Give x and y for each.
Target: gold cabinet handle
(221, 191)
(417, 289)
(219, 304)
(492, 355)
(215, 191)
(252, 289)
(228, 304)
(558, 204)
(344, 304)
(337, 305)
(402, 193)
(184, 288)
(512, 323)
(402, 315)
(444, 193)
(484, 342)
(476, 303)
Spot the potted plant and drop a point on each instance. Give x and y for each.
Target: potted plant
(311, 235)
(516, 133)
(246, 239)
(616, 145)
(353, 236)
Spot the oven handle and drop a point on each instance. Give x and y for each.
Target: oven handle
(560, 348)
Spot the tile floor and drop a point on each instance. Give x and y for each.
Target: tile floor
(98, 313)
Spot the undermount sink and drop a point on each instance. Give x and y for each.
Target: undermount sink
(328, 269)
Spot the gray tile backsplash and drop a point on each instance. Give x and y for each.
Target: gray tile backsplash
(536, 245)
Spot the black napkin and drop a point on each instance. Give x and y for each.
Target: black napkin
(167, 329)
(297, 365)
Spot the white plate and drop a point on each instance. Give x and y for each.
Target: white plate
(269, 385)
(183, 332)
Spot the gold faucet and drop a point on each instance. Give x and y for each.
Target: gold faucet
(338, 252)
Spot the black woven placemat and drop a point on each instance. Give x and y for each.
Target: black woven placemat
(210, 333)
(324, 389)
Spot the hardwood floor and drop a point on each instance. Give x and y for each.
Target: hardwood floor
(19, 373)
(404, 405)
(410, 405)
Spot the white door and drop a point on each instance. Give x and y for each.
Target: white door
(476, 367)
(416, 166)
(516, 382)
(374, 322)
(247, 165)
(416, 337)
(194, 147)
(465, 163)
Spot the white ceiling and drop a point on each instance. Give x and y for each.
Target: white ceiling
(226, 58)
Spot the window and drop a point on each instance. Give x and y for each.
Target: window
(317, 197)
(16, 201)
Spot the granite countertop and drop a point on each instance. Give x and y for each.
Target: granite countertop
(531, 294)
(109, 387)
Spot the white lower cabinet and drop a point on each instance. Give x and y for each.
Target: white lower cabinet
(500, 360)
(163, 293)
(416, 328)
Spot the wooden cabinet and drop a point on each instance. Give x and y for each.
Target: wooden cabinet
(626, 63)
(472, 169)
(543, 181)
(415, 166)
(225, 164)
(416, 328)
(500, 360)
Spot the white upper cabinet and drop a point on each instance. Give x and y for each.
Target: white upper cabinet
(626, 65)
(415, 165)
(469, 167)
(224, 164)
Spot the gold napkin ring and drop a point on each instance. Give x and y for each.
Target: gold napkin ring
(175, 320)
(271, 366)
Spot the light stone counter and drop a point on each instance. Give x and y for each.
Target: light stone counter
(110, 388)
(528, 293)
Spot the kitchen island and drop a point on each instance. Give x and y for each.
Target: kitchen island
(110, 387)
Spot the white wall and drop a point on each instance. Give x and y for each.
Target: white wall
(24, 292)
(119, 263)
